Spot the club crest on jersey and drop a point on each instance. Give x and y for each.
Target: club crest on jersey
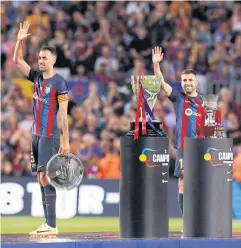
(188, 112)
(47, 90)
(41, 99)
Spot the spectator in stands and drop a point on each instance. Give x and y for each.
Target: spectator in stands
(237, 166)
(223, 106)
(225, 95)
(234, 130)
(79, 115)
(139, 68)
(105, 61)
(82, 48)
(235, 53)
(204, 34)
(218, 63)
(38, 19)
(141, 44)
(75, 141)
(159, 24)
(94, 101)
(63, 49)
(6, 168)
(90, 149)
(115, 99)
(109, 165)
(199, 61)
(236, 17)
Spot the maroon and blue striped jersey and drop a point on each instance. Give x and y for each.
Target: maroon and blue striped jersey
(45, 102)
(188, 113)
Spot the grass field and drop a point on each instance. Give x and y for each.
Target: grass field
(80, 224)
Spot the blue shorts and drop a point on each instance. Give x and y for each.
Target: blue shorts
(42, 150)
(178, 172)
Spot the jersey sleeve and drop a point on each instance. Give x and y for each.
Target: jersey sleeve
(62, 87)
(174, 95)
(33, 74)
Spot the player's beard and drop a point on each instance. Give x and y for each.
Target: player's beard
(42, 69)
(189, 89)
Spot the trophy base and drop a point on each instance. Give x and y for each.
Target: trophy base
(150, 132)
(209, 131)
(214, 132)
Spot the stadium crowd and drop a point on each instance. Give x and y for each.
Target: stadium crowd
(100, 45)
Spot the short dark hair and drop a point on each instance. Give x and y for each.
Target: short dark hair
(49, 48)
(189, 71)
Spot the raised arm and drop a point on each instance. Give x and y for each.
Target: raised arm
(18, 51)
(157, 57)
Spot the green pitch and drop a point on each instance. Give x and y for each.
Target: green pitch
(80, 224)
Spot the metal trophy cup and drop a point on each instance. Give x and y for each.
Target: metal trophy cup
(212, 125)
(151, 87)
(144, 168)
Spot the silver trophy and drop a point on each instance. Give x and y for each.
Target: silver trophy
(211, 105)
(151, 85)
(211, 127)
(64, 172)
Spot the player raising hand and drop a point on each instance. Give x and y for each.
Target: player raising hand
(187, 107)
(50, 96)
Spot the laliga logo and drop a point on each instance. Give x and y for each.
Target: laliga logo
(221, 157)
(155, 158)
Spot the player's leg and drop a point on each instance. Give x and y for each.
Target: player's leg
(47, 229)
(179, 173)
(34, 160)
(180, 194)
(34, 166)
(48, 148)
(43, 196)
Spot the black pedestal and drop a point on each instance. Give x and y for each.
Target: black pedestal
(143, 187)
(208, 188)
